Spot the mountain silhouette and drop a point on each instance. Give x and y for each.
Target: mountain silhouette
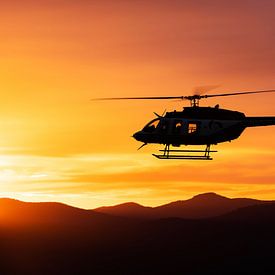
(54, 238)
(38, 214)
(129, 209)
(256, 214)
(200, 206)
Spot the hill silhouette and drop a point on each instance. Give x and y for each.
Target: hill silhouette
(263, 213)
(200, 206)
(14, 212)
(128, 209)
(53, 238)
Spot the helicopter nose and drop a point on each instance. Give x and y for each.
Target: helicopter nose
(137, 136)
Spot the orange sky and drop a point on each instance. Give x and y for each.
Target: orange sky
(57, 145)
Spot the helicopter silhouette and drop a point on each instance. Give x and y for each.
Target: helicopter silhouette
(195, 125)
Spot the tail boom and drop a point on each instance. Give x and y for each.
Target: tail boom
(259, 121)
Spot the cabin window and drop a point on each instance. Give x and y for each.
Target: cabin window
(177, 126)
(192, 128)
(152, 126)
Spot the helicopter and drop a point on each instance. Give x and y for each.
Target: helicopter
(195, 125)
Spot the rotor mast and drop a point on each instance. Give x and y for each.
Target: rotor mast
(194, 100)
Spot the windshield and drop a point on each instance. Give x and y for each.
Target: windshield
(151, 126)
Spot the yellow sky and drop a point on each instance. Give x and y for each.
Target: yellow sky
(57, 145)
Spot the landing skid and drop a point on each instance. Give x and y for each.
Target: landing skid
(191, 154)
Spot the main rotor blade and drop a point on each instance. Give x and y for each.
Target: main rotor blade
(191, 97)
(238, 93)
(146, 97)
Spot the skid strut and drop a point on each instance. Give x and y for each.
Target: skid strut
(189, 154)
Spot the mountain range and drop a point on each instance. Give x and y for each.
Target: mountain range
(201, 206)
(207, 234)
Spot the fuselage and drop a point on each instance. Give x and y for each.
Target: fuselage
(199, 126)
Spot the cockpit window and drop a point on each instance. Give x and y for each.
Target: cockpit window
(152, 126)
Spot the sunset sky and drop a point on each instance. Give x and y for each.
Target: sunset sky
(58, 145)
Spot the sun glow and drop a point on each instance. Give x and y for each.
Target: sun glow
(94, 180)
(57, 145)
